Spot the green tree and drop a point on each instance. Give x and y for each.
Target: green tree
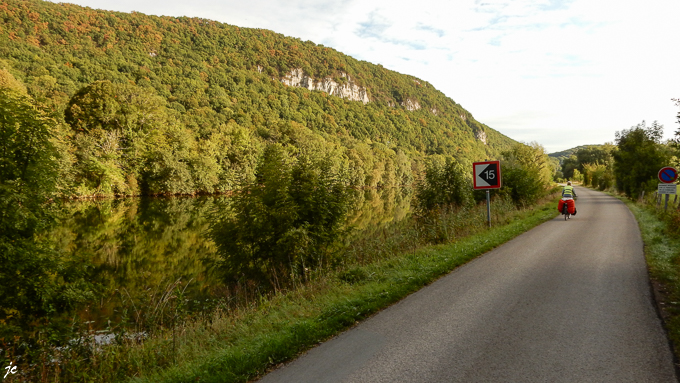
(286, 223)
(34, 282)
(598, 175)
(569, 165)
(112, 124)
(597, 164)
(446, 183)
(578, 176)
(526, 173)
(639, 157)
(7, 81)
(591, 154)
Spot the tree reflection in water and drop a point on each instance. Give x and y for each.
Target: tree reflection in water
(141, 248)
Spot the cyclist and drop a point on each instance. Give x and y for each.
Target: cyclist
(568, 195)
(568, 191)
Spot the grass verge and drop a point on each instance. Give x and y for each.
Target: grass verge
(242, 347)
(662, 252)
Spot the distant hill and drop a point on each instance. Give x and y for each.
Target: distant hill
(167, 105)
(563, 155)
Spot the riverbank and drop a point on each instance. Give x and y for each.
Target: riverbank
(240, 340)
(241, 345)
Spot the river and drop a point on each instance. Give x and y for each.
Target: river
(134, 251)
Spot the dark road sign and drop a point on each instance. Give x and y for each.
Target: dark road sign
(487, 175)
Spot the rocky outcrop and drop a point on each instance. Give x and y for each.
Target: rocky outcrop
(348, 90)
(410, 105)
(481, 135)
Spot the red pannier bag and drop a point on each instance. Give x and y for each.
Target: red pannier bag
(570, 206)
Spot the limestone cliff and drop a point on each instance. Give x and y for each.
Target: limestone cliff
(348, 90)
(411, 105)
(481, 135)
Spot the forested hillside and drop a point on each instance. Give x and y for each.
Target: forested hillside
(565, 154)
(163, 105)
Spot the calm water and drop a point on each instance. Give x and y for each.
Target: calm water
(133, 250)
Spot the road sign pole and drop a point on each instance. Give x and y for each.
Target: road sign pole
(665, 206)
(486, 175)
(488, 207)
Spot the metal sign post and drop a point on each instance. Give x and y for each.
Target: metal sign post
(488, 207)
(487, 175)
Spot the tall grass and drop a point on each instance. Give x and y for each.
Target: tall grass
(249, 331)
(442, 225)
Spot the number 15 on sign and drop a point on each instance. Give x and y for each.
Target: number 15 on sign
(487, 175)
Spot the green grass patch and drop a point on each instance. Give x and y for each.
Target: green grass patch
(662, 252)
(237, 347)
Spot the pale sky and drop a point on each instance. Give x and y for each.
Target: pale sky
(562, 73)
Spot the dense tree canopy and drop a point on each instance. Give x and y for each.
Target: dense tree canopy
(35, 282)
(527, 173)
(590, 154)
(446, 183)
(639, 158)
(286, 221)
(166, 105)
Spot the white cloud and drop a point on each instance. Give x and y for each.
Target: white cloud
(536, 70)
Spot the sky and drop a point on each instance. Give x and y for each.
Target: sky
(561, 73)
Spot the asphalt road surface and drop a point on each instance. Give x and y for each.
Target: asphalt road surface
(568, 301)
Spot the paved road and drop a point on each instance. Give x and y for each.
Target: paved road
(565, 302)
